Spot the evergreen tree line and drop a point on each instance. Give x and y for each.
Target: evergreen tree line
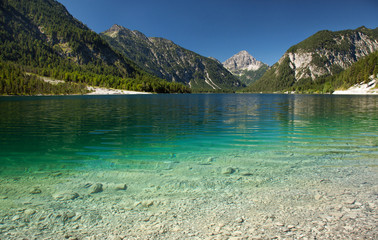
(14, 81)
(20, 80)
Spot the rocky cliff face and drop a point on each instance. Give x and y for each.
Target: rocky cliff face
(246, 67)
(325, 53)
(323, 61)
(167, 60)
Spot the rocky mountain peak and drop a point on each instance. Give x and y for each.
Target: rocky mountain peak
(242, 61)
(115, 28)
(120, 30)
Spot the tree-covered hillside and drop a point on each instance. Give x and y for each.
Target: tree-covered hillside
(360, 72)
(41, 37)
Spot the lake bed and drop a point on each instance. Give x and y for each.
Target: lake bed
(218, 166)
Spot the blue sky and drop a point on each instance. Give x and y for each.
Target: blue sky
(221, 28)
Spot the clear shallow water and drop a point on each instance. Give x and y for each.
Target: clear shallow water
(159, 131)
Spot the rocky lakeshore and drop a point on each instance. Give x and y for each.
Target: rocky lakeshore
(208, 199)
(360, 89)
(108, 91)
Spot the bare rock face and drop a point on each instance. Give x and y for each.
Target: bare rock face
(242, 61)
(321, 61)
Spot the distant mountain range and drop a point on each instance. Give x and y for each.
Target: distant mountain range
(40, 38)
(246, 67)
(170, 61)
(306, 65)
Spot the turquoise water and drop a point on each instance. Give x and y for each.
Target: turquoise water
(160, 131)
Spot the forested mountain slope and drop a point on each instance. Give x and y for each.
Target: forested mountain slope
(170, 61)
(40, 36)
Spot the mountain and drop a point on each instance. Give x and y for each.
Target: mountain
(40, 37)
(242, 61)
(326, 53)
(169, 61)
(246, 67)
(364, 71)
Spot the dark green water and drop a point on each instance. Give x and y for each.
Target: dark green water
(158, 131)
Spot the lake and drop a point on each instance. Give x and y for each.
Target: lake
(198, 146)
(150, 131)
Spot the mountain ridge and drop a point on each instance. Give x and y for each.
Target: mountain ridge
(323, 54)
(167, 60)
(43, 38)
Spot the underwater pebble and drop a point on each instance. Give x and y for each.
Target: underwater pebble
(239, 220)
(70, 214)
(96, 188)
(119, 187)
(29, 212)
(65, 196)
(245, 173)
(16, 217)
(350, 201)
(228, 170)
(147, 203)
(76, 217)
(35, 190)
(318, 196)
(279, 224)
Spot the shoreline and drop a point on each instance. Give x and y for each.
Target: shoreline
(360, 89)
(109, 91)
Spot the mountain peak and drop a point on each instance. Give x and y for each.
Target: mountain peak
(120, 30)
(115, 28)
(242, 61)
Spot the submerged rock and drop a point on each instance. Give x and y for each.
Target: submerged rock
(96, 188)
(120, 187)
(246, 173)
(29, 212)
(35, 190)
(147, 203)
(64, 196)
(228, 170)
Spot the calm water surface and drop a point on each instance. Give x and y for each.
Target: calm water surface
(159, 131)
